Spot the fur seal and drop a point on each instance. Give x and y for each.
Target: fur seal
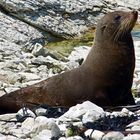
(105, 78)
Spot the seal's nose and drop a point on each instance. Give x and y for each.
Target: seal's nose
(135, 12)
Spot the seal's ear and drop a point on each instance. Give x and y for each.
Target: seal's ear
(103, 28)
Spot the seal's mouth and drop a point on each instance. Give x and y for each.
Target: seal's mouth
(126, 25)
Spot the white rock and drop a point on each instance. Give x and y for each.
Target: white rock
(75, 138)
(40, 111)
(97, 135)
(94, 134)
(8, 117)
(88, 132)
(81, 109)
(25, 112)
(28, 123)
(113, 136)
(11, 89)
(8, 138)
(132, 137)
(62, 138)
(134, 125)
(79, 53)
(29, 76)
(43, 135)
(43, 123)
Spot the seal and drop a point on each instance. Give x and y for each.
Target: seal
(105, 77)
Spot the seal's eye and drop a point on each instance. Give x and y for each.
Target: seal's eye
(117, 18)
(103, 28)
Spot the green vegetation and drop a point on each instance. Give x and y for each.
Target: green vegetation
(137, 26)
(66, 46)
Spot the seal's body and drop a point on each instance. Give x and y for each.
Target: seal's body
(105, 77)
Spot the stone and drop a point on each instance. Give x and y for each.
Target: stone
(29, 76)
(97, 135)
(43, 135)
(38, 50)
(40, 111)
(8, 117)
(75, 138)
(28, 123)
(43, 123)
(60, 18)
(94, 134)
(84, 110)
(134, 126)
(16, 34)
(10, 89)
(132, 137)
(113, 136)
(24, 113)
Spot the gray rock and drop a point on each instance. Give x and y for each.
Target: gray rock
(38, 50)
(16, 34)
(61, 18)
(113, 136)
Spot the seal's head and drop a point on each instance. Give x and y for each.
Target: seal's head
(115, 25)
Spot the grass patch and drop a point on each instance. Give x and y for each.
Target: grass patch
(66, 46)
(137, 26)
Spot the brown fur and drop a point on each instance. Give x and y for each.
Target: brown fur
(105, 78)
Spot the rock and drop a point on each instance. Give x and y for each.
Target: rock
(28, 76)
(79, 53)
(132, 137)
(8, 117)
(75, 138)
(43, 123)
(62, 138)
(113, 136)
(40, 111)
(38, 50)
(16, 34)
(9, 138)
(84, 110)
(61, 18)
(43, 135)
(94, 134)
(24, 113)
(28, 124)
(134, 126)
(10, 89)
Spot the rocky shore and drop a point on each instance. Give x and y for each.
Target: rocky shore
(26, 26)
